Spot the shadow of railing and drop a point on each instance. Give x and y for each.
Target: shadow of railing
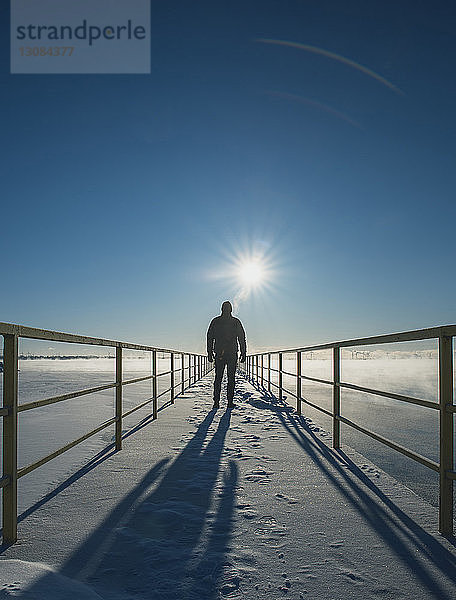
(267, 375)
(404, 536)
(91, 464)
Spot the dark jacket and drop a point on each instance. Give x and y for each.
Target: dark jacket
(223, 336)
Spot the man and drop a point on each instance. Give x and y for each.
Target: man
(223, 336)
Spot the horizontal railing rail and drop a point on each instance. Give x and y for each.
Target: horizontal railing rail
(389, 338)
(260, 374)
(190, 367)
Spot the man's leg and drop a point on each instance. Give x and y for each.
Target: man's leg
(231, 372)
(219, 368)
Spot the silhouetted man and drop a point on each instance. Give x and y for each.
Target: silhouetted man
(223, 336)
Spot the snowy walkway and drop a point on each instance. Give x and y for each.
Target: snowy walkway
(249, 504)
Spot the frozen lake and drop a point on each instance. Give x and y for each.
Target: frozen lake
(43, 430)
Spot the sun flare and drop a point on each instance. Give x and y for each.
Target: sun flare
(251, 273)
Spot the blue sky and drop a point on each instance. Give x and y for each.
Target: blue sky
(125, 198)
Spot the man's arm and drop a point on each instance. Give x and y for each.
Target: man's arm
(210, 342)
(242, 343)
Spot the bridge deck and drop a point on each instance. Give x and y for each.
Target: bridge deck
(249, 504)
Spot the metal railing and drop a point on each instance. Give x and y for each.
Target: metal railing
(192, 368)
(260, 373)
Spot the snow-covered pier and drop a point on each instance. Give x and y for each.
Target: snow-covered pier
(249, 503)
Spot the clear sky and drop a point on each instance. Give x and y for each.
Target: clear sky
(127, 199)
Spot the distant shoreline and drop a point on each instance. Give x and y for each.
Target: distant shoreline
(359, 355)
(59, 357)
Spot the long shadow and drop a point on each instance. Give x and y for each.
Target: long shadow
(91, 464)
(153, 545)
(393, 530)
(94, 462)
(212, 574)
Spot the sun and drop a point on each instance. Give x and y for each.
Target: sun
(251, 273)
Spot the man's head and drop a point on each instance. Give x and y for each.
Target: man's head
(227, 309)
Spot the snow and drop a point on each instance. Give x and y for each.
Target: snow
(251, 503)
(34, 580)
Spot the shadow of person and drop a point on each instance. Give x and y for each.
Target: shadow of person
(212, 571)
(159, 549)
(408, 541)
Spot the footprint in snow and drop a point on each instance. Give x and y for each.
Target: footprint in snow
(259, 475)
(370, 470)
(270, 531)
(287, 499)
(351, 576)
(247, 511)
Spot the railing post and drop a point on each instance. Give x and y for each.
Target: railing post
(154, 385)
(172, 377)
(183, 372)
(446, 434)
(298, 382)
(280, 376)
(256, 369)
(119, 397)
(262, 377)
(10, 439)
(336, 397)
(269, 372)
